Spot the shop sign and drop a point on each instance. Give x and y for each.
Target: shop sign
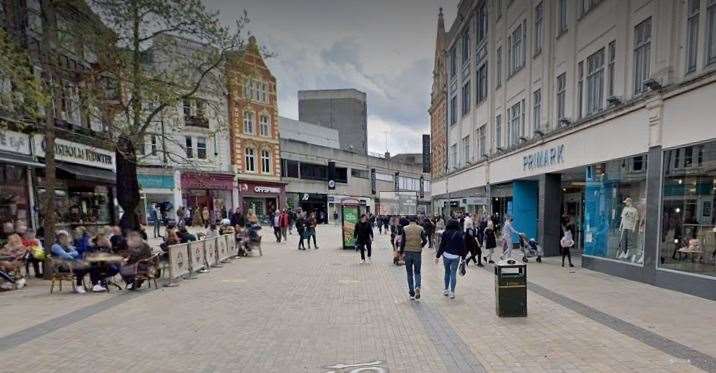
(543, 158)
(261, 189)
(14, 142)
(72, 152)
(476, 201)
(156, 181)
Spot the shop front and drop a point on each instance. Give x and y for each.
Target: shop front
(309, 202)
(16, 164)
(85, 183)
(207, 189)
(263, 198)
(159, 189)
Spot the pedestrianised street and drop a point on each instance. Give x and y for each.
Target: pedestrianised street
(320, 310)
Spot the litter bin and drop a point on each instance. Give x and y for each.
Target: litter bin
(511, 288)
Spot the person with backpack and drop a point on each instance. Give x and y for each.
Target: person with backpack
(452, 249)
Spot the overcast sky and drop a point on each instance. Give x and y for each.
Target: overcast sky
(382, 47)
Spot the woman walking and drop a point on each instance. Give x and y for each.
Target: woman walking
(363, 234)
(452, 248)
(567, 241)
(472, 246)
(490, 241)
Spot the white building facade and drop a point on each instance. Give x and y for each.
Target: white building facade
(186, 156)
(591, 113)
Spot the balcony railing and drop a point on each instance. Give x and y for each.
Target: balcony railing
(195, 121)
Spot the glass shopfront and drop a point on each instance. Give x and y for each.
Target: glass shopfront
(14, 194)
(688, 221)
(80, 204)
(614, 221)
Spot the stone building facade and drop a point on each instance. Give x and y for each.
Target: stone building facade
(438, 106)
(254, 131)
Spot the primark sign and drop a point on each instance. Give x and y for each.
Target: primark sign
(543, 158)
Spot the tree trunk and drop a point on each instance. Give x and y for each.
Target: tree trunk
(127, 184)
(48, 201)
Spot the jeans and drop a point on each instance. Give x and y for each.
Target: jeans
(413, 261)
(157, 226)
(451, 272)
(362, 246)
(301, 233)
(277, 233)
(284, 230)
(311, 233)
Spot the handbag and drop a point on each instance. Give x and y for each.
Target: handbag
(462, 270)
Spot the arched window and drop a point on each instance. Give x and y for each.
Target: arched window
(265, 161)
(264, 126)
(248, 123)
(249, 160)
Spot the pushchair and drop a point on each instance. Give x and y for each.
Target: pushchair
(530, 248)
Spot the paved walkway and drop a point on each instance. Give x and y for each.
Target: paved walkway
(321, 311)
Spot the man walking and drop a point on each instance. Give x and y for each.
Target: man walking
(363, 234)
(156, 222)
(412, 244)
(311, 230)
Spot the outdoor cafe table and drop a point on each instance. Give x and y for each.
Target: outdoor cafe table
(104, 258)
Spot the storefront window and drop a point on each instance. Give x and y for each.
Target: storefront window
(688, 223)
(14, 202)
(81, 206)
(614, 209)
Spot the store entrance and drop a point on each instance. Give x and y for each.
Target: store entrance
(572, 208)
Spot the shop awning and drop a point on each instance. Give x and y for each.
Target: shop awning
(88, 173)
(19, 159)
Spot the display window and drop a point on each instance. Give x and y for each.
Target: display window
(75, 206)
(614, 220)
(14, 195)
(688, 223)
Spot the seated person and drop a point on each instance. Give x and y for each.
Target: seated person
(171, 238)
(137, 250)
(16, 252)
(35, 252)
(63, 250)
(119, 243)
(185, 236)
(101, 271)
(226, 227)
(211, 232)
(81, 240)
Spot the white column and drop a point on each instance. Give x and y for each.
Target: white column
(177, 189)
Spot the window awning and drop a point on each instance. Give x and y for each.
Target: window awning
(88, 173)
(19, 159)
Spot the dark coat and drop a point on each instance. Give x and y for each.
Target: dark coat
(363, 232)
(453, 241)
(490, 239)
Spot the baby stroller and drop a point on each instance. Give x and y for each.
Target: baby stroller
(530, 248)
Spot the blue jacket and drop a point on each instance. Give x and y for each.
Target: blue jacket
(452, 241)
(82, 244)
(65, 254)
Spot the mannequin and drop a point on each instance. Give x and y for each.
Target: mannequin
(629, 222)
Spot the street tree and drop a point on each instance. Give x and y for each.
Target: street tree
(156, 73)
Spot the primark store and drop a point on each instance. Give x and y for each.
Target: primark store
(638, 183)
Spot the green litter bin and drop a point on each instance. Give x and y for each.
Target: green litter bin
(511, 288)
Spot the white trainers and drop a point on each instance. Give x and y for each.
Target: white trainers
(446, 292)
(362, 261)
(370, 261)
(20, 283)
(452, 295)
(80, 289)
(98, 288)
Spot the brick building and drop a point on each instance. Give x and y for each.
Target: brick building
(438, 106)
(254, 131)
